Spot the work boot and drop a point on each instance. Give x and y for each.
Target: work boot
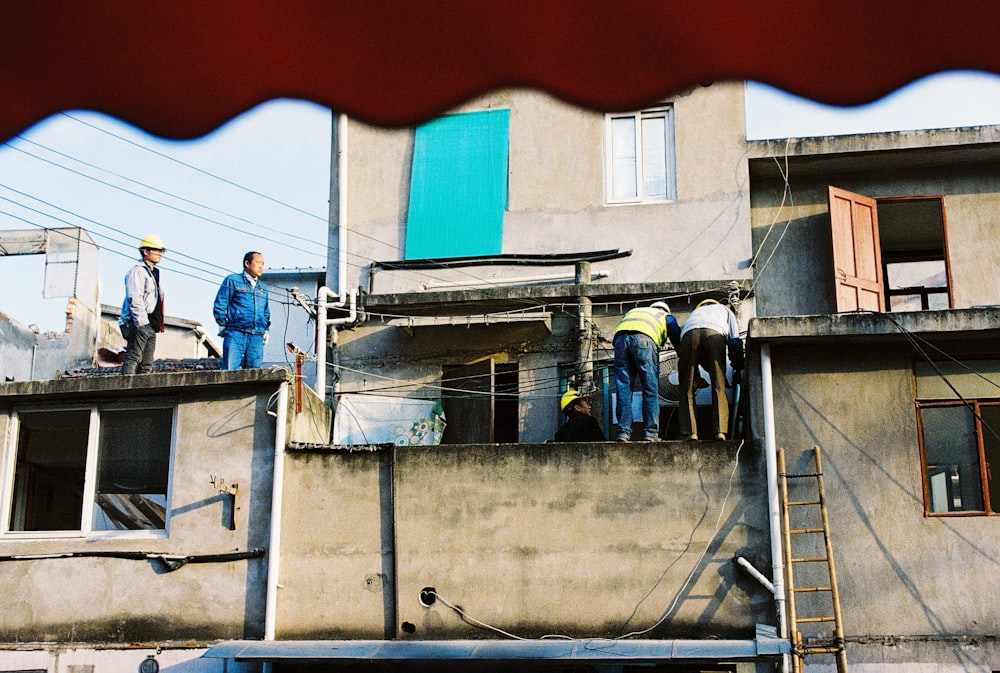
(622, 439)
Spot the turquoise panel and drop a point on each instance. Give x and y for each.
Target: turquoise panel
(458, 188)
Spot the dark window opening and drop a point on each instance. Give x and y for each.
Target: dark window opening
(914, 254)
(69, 478)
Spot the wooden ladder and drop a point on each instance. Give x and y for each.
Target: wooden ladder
(809, 558)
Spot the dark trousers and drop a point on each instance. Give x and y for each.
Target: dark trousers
(707, 348)
(139, 348)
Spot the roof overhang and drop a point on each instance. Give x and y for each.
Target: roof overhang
(590, 651)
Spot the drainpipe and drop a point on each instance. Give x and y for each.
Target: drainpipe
(338, 227)
(277, 489)
(773, 505)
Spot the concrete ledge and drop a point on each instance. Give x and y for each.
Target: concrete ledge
(952, 323)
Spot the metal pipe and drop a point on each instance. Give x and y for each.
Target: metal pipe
(277, 490)
(773, 505)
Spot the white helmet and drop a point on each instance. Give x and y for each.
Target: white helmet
(662, 305)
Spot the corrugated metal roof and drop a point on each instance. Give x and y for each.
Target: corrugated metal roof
(588, 650)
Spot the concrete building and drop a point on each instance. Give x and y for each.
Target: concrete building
(877, 334)
(260, 543)
(495, 297)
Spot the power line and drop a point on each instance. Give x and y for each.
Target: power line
(194, 168)
(145, 185)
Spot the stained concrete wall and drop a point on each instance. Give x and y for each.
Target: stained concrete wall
(556, 205)
(223, 430)
(912, 587)
(583, 540)
(794, 272)
(556, 194)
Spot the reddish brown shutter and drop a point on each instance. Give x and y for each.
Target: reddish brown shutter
(857, 257)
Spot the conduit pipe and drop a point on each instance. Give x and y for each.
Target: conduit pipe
(322, 322)
(513, 280)
(773, 505)
(277, 490)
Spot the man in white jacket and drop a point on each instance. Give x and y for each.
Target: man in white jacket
(709, 331)
(142, 310)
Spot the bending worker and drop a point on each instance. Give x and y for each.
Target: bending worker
(638, 338)
(709, 331)
(580, 424)
(243, 315)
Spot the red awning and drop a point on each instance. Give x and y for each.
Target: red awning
(180, 68)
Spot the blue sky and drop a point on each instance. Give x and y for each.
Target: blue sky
(261, 182)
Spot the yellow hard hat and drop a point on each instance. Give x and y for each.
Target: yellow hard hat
(152, 242)
(706, 303)
(570, 396)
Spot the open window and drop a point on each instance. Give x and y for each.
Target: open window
(889, 254)
(89, 470)
(481, 402)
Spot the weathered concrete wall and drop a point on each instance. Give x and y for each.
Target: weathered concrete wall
(583, 540)
(223, 432)
(16, 349)
(556, 205)
(795, 273)
(556, 188)
(903, 576)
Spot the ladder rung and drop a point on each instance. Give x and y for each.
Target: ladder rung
(805, 590)
(796, 503)
(817, 559)
(799, 531)
(814, 620)
(819, 649)
(803, 475)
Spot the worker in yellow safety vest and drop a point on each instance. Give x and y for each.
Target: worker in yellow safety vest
(639, 336)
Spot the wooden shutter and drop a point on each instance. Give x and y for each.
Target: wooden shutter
(857, 257)
(468, 404)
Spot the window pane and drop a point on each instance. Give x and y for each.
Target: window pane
(654, 157)
(50, 470)
(905, 302)
(623, 158)
(133, 469)
(938, 301)
(902, 275)
(952, 454)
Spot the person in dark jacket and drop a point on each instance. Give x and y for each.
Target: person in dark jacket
(580, 425)
(243, 315)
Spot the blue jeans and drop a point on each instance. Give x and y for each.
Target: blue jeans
(242, 350)
(637, 357)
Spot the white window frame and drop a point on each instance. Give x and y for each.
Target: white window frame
(86, 530)
(665, 112)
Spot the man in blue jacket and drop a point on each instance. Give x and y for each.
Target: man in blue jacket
(243, 315)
